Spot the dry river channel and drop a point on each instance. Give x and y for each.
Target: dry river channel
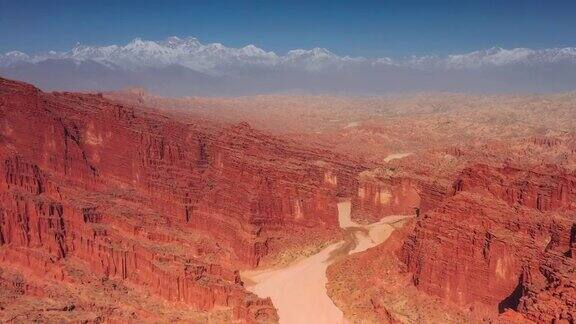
(298, 290)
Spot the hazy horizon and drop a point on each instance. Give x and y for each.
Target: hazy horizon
(231, 49)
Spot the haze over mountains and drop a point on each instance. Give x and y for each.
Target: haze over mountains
(185, 66)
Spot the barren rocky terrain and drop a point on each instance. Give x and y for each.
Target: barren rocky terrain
(125, 206)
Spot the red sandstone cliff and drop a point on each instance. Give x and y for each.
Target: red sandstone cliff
(170, 205)
(504, 240)
(388, 191)
(497, 246)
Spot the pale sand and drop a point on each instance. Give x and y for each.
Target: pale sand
(396, 156)
(298, 290)
(352, 124)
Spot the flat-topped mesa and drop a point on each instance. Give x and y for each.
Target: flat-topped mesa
(504, 240)
(125, 189)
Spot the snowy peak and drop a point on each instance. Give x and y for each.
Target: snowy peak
(316, 52)
(314, 59)
(491, 57)
(13, 57)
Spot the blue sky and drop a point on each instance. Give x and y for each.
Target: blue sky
(358, 28)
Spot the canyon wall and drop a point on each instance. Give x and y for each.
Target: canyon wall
(172, 205)
(503, 240)
(387, 191)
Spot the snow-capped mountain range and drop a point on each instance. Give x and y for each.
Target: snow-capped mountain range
(189, 52)
(217, 58)
(494, 57)
(215, 68)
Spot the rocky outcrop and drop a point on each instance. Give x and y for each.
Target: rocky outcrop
(387, 191)
(380, 196)
(502, 241)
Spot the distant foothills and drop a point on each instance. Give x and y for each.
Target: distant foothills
(185, 67)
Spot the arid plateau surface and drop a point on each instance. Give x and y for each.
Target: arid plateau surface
(426, 208)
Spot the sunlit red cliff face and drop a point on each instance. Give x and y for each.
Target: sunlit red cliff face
(510, 229)
(103, 196)
(127, 206)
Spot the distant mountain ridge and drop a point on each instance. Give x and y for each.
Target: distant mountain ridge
(250, 69)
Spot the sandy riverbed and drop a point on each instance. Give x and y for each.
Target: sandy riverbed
(298, 290)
